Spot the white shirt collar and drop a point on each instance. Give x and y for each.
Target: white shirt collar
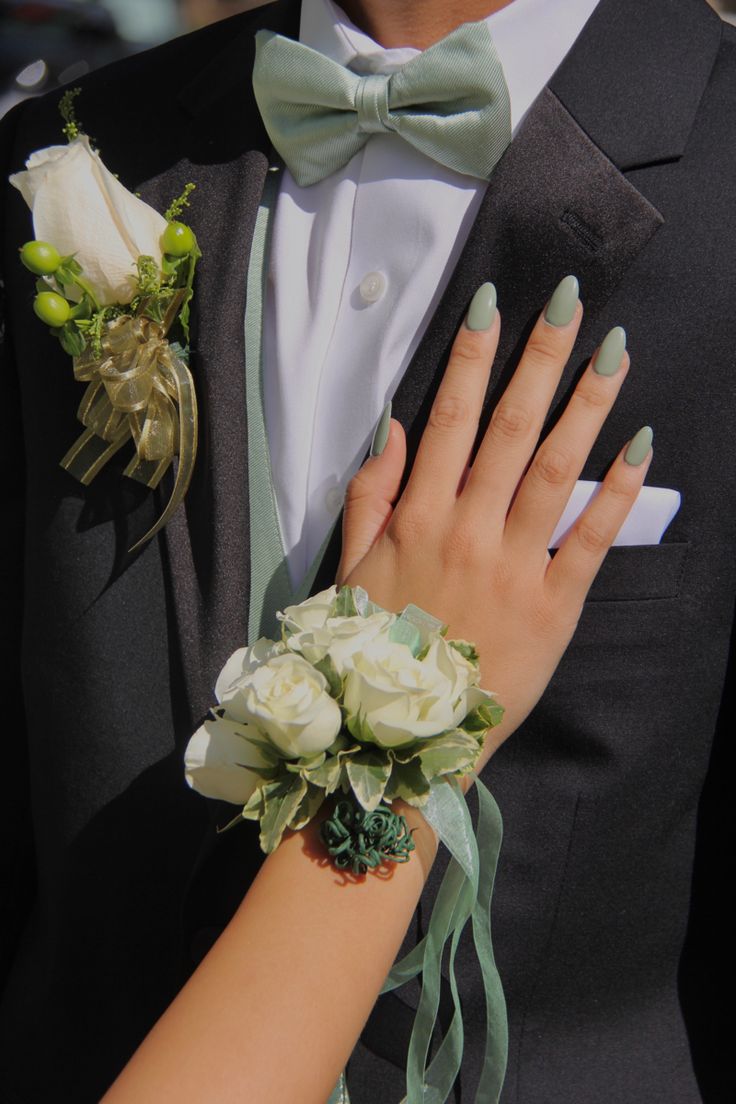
(531, 36)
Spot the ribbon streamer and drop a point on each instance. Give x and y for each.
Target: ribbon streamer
(464, 895)
(137, 388)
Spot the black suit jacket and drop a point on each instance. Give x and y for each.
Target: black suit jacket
(624, 173)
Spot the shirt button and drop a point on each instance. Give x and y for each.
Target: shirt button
(334, 500)
(372, 287)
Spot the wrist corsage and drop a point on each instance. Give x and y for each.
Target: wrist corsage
(364, 706)
(114, 286)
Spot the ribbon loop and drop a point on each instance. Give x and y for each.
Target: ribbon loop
(137, 389)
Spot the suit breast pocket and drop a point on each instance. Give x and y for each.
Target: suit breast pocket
(640, 572)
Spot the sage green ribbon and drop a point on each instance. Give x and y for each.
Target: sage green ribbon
(450, 102)
(464, 895)
(270, 583)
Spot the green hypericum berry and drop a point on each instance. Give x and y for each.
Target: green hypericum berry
(52, 308)
(177, 240)
(40, 258)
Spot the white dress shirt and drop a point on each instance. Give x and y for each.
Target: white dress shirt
(358, 264)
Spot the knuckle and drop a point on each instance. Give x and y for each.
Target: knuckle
(592, 537)
(463, 546)
(466, 351)
(510, 421)
(590, 398)
(552, 467)
(542, 351)
(619, 491)
(449, 412)
(408, 524)
(358, 488)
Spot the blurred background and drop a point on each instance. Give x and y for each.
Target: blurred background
(48, 43)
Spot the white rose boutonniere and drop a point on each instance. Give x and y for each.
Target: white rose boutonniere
(79, 205)
(114, 284)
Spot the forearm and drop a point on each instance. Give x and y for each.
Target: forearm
(275, 1008)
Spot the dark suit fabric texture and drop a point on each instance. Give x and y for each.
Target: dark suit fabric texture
(609, 918)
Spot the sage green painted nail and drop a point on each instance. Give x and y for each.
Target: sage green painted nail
(563, 304)
(380, 435)
(639, 447)
(613, 346)
(482, 309)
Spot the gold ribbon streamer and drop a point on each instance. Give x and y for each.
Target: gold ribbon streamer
(137, 388)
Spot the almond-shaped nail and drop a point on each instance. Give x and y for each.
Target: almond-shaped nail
(639, 447)
(380, 434)
(610, 354)
(563, 304)
(482, 309)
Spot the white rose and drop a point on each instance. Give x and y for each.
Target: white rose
(218, 760)
(245, 661)
(311, 613)
(342, 637)
(404, 699)
(81, 208)
(288, 701)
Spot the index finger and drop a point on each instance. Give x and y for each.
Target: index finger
(451, 429)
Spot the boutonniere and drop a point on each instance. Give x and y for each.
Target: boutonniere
(114, 285)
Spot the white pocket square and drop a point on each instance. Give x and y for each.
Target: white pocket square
(650, 515)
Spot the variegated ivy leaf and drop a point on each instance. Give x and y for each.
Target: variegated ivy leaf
(483, 717)
(368, 773)
(466, 649)
(307, 807)
(452, 752)
(280, 806)
(326, 776)
(407, 782)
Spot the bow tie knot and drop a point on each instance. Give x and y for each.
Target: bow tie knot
(450, 102)
(371, 104)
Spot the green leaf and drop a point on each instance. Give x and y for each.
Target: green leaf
(466, 649)
(327, 775)
(308, 807)
(281, 801)
(455, 751)
(408, 782)
(345, 603)
(484, 716)
(327, 668)
(368, 772)
(72, 341)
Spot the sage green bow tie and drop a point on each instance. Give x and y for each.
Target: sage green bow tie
(450, 102)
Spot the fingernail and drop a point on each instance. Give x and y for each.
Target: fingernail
(482, 308)
(608, 358)
(639, 447)
(563, 304)
(380, 434)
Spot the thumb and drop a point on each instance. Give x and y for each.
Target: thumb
(370, 496)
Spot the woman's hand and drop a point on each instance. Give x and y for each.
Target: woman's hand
(468, 543)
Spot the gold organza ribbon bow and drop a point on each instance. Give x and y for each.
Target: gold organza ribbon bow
(137, 387)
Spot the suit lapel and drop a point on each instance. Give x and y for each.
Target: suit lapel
(206, 542)
(559, 202)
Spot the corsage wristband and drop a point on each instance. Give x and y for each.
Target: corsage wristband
(370, 706)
